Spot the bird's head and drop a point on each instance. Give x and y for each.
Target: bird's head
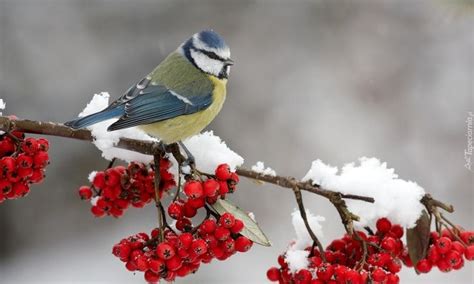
(209, 53)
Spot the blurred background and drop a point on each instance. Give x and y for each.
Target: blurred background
(334, 80)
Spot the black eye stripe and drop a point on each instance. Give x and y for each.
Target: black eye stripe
(211, 54)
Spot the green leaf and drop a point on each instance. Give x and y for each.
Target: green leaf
(251, 229)
(418, 238)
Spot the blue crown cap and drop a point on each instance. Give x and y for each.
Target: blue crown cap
(212, 39)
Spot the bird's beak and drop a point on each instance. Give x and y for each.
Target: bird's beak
(229, 62)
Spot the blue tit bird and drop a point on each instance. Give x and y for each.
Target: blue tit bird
(179, 98)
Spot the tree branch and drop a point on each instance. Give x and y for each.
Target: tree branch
(151, 148)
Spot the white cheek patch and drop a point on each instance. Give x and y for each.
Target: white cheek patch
(222, 52)
(206, 64)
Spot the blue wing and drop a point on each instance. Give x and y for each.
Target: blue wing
(157, 103)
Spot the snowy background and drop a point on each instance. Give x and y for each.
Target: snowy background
(334, 80)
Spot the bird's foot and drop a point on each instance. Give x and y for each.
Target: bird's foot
(190, 161)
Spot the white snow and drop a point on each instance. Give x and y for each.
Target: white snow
(296, 259)
(303, 239)
(252, 216)
(92, 176)
(94, 200)
(106, 140)
(2, 105)
(186, 170)
(210, 151)
(296, 256)
(395, 198)
(259, 167)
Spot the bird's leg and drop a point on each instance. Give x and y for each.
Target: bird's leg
(190, 158)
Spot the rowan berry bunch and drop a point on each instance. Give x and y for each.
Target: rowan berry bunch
(199, 192)
(112, 191)
(446, 251)
(346, 261)
(22, 163)
(180, 254)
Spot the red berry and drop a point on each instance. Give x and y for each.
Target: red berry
(199, 246)
(433, 255)
(183, 224)
(99, 180)
(29, 146)
(303, 276)
(43, 144)
(379, 275)
(196, 203)
(238, 226)
(227, 220)
(337, 245)
(7, 165)
(454, 258)
(389, 244)
(20, 189)
(185, 240)
(393, 279)
(243, 244)
(165, 251)
(193, 189)
(223, 172)
(175, 210)
(174, 263)
(208, 226)
(423, 266)
(5, 187)
(444, 265)
(189, 211)
(457, 246)
(273, 274)
(97, 211)
(394, 266)
(443, 245)
(469, 252)
(352, 277)
(85, 192)
(325, 271)
(37, 176)
(211, 188)
(229, 245)
(383, 225)
(222, 233)
(151, 277)
(156, 265)
(467, 237)
(397, 231)
(40, 160)
(24, 161)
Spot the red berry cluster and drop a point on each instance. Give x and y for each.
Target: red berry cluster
(198, 193)
(22, 162)
(446, 251)
(113, 190)
(182, 253)
(345, 260)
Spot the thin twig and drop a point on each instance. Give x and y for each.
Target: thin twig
(157, 158)
(299, 201)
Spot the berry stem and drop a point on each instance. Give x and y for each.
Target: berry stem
(299, 201)
(157, 158)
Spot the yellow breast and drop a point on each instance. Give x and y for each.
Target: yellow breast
(184, 126)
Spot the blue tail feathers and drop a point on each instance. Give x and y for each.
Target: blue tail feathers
(95, 118)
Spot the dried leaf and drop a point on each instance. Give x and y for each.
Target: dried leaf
(251, 229)
(418, 238)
